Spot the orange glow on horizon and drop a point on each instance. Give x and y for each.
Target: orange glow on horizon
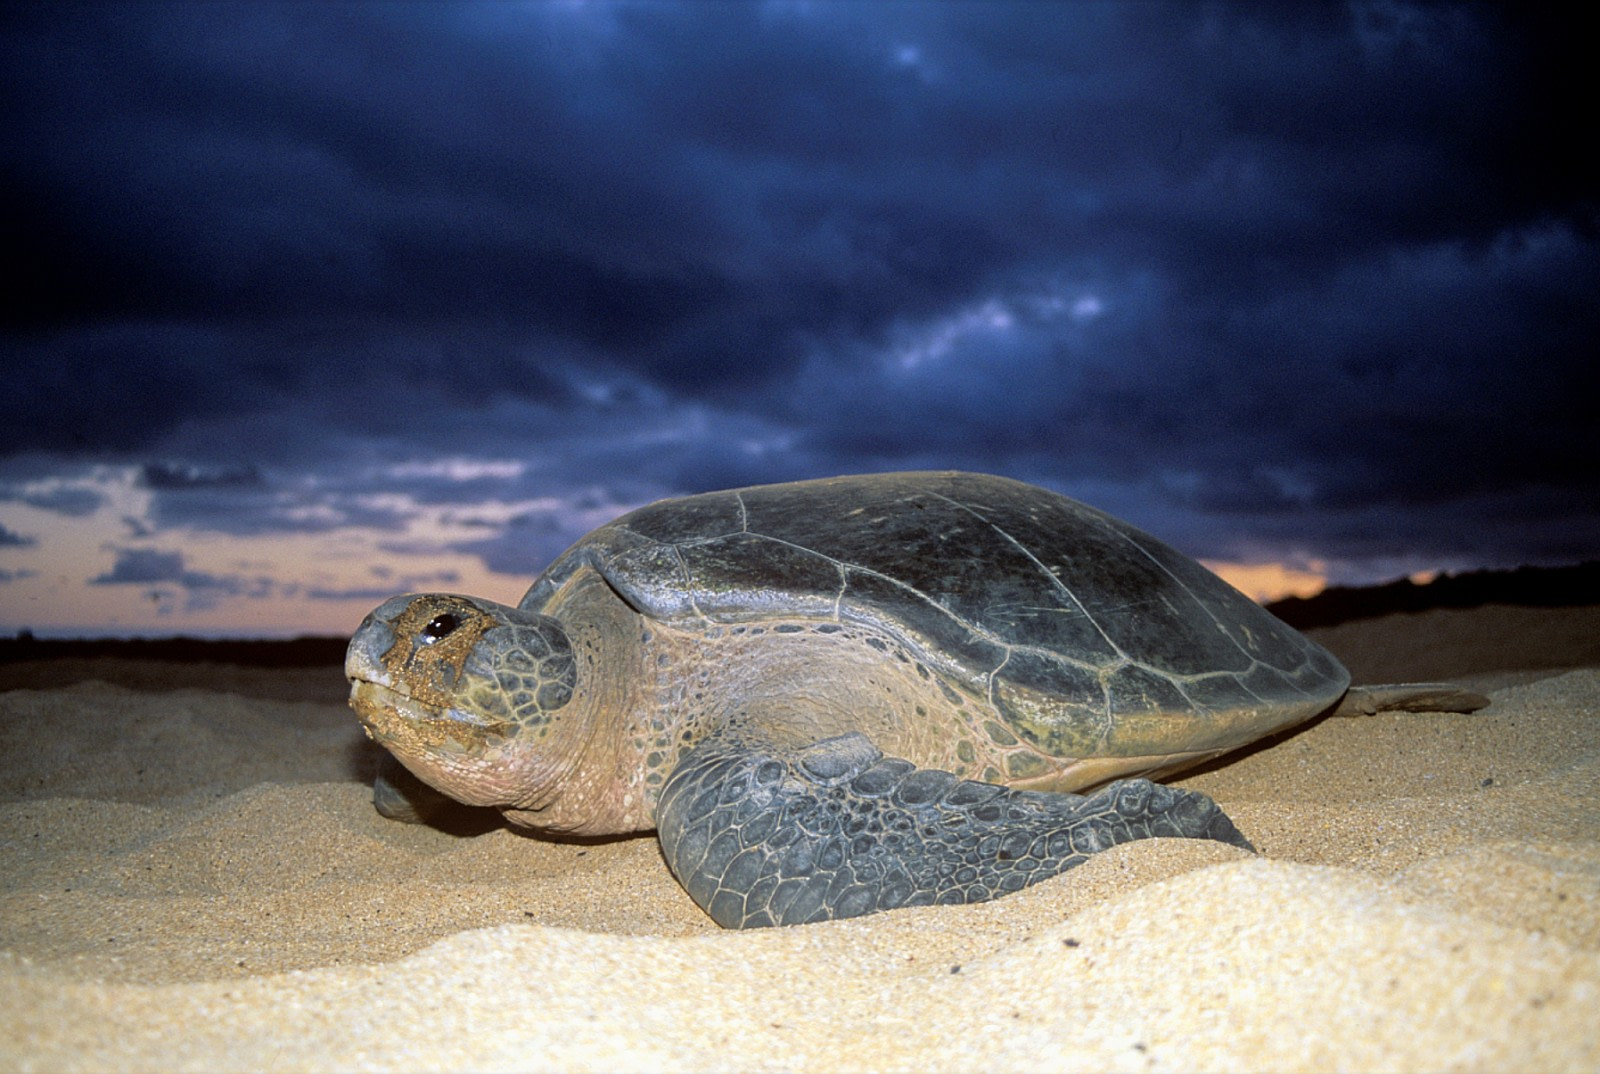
(1265, 582)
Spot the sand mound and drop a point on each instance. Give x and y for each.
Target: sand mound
(193, 879)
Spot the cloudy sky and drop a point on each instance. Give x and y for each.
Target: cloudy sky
(321, 302)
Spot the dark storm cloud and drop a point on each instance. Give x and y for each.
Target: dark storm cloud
(155, 568)
(1321, 275)
(524, 545)
(9, 539)
(181, 476)
(141, 566)
(72, 502)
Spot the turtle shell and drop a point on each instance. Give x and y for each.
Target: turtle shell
(1086, 634)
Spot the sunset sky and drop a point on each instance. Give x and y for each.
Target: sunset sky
(323, 302)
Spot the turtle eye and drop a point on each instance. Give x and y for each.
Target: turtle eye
(440, 626)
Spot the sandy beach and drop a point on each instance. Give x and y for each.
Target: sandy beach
(192, 878)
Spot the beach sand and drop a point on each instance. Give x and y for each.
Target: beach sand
(192, 878)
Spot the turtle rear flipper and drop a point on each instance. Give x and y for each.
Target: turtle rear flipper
(764, 836)
(1409, 697)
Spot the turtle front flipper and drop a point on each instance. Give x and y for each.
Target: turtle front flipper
(399, 795)
(765, 836)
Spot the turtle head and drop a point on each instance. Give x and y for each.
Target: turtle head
(465, 693)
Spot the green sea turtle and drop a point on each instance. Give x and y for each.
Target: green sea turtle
(841, 696)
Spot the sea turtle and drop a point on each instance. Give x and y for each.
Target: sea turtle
(840, 696)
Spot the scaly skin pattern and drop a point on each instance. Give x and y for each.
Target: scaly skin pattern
(762, 837)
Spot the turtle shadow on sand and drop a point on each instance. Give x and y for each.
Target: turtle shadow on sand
(841, 696)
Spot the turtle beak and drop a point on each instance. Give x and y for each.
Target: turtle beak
(371, 685)
(363, 660)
